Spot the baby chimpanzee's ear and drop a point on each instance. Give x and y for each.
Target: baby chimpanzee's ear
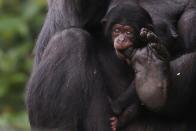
(103, 22)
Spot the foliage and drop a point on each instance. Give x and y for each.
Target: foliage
(20, 22)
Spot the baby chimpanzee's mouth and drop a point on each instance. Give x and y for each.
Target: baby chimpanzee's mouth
(122, 45)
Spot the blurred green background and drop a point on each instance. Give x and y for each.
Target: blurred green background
(20, 23)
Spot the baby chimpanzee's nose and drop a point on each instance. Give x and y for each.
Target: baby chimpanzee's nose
(121, 37)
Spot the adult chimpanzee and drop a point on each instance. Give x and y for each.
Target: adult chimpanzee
(67, 89)
(75, 70)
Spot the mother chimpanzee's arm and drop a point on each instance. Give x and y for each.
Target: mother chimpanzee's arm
(64, 14)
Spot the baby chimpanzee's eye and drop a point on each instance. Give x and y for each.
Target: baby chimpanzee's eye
(116, 30)
(128, 32)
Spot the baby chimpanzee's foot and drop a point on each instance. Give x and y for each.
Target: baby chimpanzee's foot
(155, 44)
(148, 36)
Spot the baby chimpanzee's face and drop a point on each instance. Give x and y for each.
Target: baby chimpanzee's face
(122, 36)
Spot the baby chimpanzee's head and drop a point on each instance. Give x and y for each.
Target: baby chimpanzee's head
(122, 25)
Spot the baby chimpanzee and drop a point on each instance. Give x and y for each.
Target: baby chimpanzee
(128, 26)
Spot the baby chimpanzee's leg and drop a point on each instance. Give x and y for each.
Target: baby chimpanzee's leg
(151, 65)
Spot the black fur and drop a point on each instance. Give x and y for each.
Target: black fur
(75, 70)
